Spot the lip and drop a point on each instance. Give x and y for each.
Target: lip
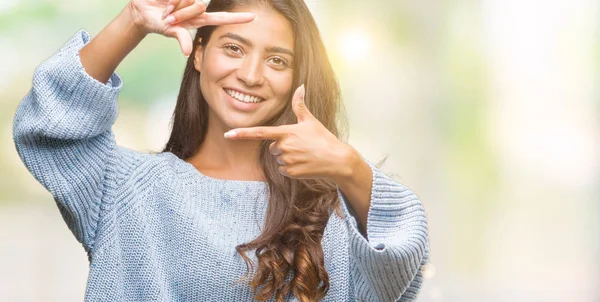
(239, 105)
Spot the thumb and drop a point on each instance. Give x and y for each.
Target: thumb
(298, 104)
(184, 38)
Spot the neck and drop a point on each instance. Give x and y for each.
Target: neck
(223, 158)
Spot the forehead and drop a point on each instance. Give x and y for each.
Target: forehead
(268, 29)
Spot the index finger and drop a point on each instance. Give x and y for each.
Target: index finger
(260, 133)
(224, 18)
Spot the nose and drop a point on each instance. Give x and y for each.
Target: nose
(251, 71)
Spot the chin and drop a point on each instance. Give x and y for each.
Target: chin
(241, 124)
(244, 120)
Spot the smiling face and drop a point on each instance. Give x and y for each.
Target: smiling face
(246, 70)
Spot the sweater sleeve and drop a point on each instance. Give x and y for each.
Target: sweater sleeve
(387, 264)
(62, 133)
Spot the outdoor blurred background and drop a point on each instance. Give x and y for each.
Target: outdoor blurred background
(489, 110)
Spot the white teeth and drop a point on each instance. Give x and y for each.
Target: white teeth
(243, 97)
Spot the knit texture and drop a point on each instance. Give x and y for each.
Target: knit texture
(156, 229)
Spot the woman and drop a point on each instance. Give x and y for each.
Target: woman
(254, 178)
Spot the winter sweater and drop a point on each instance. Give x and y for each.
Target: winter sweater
(156, 229)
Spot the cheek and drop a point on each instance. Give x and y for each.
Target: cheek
(217, 66)
(281, 83)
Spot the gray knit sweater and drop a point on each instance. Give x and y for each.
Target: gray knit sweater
(156, 229)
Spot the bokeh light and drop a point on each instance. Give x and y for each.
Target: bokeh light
(354, 45)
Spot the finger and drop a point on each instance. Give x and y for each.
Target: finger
(184, 38)
(284, 171)
(298, 104)
(280, 160)
(195, 9)
(274, 149)
(207, 19)
(174, 5)
(223, 18)
(170, 8)
(183, 3)
(259, 133)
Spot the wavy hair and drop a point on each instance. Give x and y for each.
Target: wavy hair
(289, 251)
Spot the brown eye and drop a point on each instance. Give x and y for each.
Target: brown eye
(279, 61)
(233, 48)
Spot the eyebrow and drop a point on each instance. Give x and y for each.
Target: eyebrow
(249, 43)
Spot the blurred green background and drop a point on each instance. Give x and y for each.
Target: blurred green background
(489, 110)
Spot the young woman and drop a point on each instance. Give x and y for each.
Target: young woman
(254, 196)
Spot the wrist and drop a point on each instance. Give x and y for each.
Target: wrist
(349, 161)
(131, 23)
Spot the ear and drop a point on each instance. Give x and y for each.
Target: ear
(198, 56)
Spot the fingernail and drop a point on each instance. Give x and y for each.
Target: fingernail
(170, 19)
(302, 91)
(230, 133)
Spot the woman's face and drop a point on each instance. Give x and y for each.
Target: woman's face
(246, 70)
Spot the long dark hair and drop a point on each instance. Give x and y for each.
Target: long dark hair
(298, 209)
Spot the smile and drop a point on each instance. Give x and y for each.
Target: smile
(243, 97)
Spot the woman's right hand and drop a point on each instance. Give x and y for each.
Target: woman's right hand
(153, 16)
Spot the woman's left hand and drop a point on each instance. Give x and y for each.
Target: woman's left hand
(306, 149)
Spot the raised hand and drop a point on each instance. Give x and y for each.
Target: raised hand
(306, 149)
(173, 18)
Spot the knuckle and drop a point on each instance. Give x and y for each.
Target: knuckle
(292, 172)
(288, 145)
(289, 161)
(200, 5)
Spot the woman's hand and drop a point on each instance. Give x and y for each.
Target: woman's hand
(306, 149)
(173, 18)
